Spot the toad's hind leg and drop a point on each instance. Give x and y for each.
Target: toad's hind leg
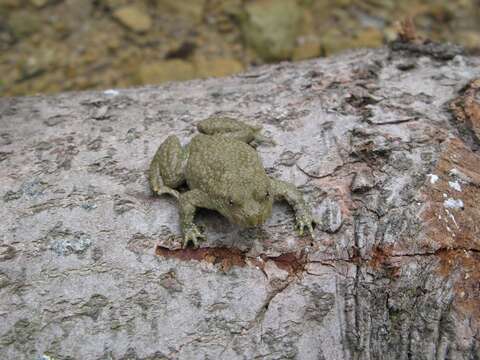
(231, 128)
(166, 170)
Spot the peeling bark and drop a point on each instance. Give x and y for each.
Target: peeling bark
(384, 143)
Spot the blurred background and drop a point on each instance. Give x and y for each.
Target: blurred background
(48, 46)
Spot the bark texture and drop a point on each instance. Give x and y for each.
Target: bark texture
(383, 143)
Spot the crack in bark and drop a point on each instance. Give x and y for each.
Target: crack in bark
(333, 173)
(359, 260)
(228, 257)
(264, 308)
(395, 122)
(295, 264)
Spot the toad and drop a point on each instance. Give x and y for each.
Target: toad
(224, 173)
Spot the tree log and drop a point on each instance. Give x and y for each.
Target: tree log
(383, 143)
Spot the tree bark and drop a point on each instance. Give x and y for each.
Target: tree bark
(384, 145)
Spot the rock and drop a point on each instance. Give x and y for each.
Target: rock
(13, 4)
(221, 15)
(39, 3)
(181, 50)
(190, 9)
(308, 50)
(80, 11)
(469, 39)
(368, 38)
(24, 23)
(333, 41)
(162, 71)
(134, 18)
(271, 27)
(115, 4)
(216, 67)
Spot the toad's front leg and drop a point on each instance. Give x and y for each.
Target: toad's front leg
(189, 202)
(303, 214)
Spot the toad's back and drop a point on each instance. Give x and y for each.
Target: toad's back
(215, 160)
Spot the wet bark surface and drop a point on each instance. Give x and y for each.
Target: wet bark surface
(384, 145)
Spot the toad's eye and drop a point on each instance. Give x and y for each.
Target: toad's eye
(231, 202)
(267, 195)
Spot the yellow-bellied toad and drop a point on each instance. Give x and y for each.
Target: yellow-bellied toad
(223, 173)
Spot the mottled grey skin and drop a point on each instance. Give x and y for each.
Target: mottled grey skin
(223, 173)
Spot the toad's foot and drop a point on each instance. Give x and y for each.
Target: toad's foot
(304, 222)
(160, 189)
(194, 235)
(303, 214)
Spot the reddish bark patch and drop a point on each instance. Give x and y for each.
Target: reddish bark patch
(453, 234)
(466, 265)
(290, 262)
(229, 257)
(459, 227)
(380, 256)
(383, 258)
(226, 256)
